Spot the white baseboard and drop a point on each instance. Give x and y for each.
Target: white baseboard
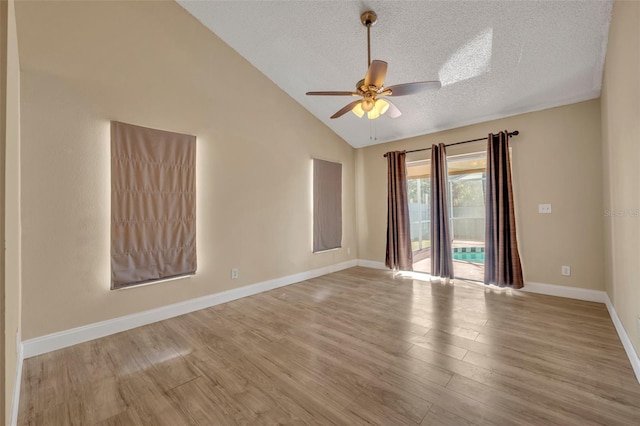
(15, 402)
(62, 339)
(371, 264)
(565, 291)
(624, 338)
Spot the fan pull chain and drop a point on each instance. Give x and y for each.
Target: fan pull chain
(372, 130)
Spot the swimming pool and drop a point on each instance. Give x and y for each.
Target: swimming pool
(469, 254)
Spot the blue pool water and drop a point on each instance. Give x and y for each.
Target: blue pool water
(469, 254)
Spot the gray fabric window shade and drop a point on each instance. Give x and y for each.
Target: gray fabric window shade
(327, 205)
(153, 204)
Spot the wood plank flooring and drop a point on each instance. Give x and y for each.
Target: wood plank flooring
(355, 347)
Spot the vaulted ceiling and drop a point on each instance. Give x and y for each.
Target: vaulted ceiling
(494, 58)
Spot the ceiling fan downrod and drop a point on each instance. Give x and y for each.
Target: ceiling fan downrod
(368, 19)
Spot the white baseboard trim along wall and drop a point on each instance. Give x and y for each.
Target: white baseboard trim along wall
(62, 339)
(371, 264)
(564, 291)
(15, 402)
(624, 338)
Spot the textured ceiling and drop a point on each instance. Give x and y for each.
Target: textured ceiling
(494, 58)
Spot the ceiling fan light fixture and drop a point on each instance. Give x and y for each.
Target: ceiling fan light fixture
(357, 110)
(368, 104)
(381, 106)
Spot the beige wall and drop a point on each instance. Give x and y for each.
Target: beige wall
(12, 278)
(621, 157)
(556, 159)
(152, 64)
(3, 135)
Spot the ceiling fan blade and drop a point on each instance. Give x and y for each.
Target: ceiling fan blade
(376, 73)
(412, 88)
(334, 93)
(346, 109)
(393, 110)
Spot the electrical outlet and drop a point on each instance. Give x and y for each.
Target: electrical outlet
(348, 250)
(544, 208)
(234, 273)
(566, 270)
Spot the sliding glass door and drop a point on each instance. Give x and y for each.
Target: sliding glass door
(466, 209)
(418, 187)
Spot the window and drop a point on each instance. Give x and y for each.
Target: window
(153, 205)
(467, 183)
(418, 189)
(418, 193)
(467, 196)
(327, 205)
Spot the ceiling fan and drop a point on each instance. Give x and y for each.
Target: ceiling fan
(371, 89)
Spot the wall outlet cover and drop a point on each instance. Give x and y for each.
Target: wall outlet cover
(544, 208)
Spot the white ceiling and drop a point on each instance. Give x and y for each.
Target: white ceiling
(494, 58)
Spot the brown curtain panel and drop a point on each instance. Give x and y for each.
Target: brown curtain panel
(153, 204)
(441, 256)
(502, 260)
(327, 205)
(399, 255)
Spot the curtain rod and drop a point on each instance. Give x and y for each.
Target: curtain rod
(514, 133)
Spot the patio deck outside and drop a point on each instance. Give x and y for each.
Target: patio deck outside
(463, 269)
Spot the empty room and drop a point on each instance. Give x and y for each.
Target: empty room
(320, 212)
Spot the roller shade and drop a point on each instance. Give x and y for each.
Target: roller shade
(153, 204)
(327, 205)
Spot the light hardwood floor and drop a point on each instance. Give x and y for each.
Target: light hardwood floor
(354, 347)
